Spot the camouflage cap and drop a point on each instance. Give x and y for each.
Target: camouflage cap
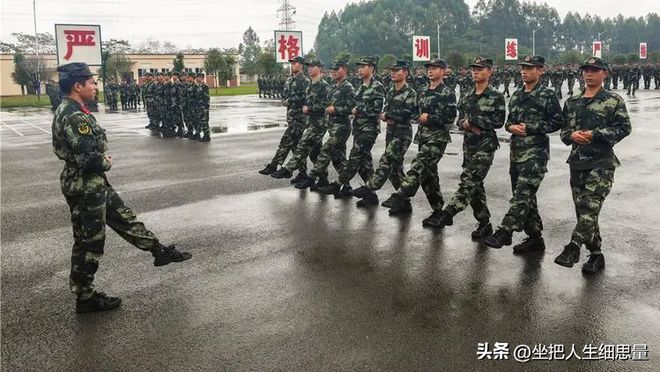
(74, 70)
(533, 61)
(298, 59)
(175, 73)
(366, 60)
(338, 64)
(314, 63)
(438, 62)
(482, 62)
(200, 74)
(191, 74)
(594, 62)
(149, 74)
(400, 65)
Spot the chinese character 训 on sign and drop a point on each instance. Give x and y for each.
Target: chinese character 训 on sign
(511, 49)
(78, 43)
(597, 47)
(642, 50)
(421, 48)
(288, 45)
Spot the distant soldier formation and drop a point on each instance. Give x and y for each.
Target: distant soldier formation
(126, 93)
(177, 105)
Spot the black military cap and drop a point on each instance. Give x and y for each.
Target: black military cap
(482, 62)
(168, 73)
(338, 64)
(200, 74)
(400, 65)
(314, 63)
(298, 59)
(595, 62)
(175, 73)
(367, 60)
(438, 62)
(149, 74)
(191, 74)
(74, 70)
(533, 61)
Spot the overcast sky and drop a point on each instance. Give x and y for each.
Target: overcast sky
(220, 23)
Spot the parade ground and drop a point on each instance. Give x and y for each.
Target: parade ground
(289, 280)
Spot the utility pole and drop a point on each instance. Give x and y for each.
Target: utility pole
(439, 48)
(534, 40)
(286, 12)
(36, 48)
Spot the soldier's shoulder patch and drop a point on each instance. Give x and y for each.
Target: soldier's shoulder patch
(83, 129)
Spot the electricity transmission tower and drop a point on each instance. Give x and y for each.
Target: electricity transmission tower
(285, 13)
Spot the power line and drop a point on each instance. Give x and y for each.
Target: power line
(285, 13)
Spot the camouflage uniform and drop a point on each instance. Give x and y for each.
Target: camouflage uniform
(316, 100)
(202, 104)
(81, 143)
(342, 97)
(400, 107)
(485, 111)
(295, 88)
(592, 165)
(540, 111)
(366, 126)
(440, 105)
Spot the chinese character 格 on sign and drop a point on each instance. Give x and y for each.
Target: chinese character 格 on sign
(421, 48)
(511, 49)
(288, 45)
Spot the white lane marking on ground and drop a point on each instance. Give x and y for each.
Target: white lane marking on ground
(40, 128)
(12, 128)
(189, 181)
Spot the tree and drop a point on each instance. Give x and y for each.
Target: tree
(267, 64)
(117, 46)
(29, 72)
(386, 62)
(178, 63)
(220, 65)
(118, 65)
(249, 50)
(456, 60)
(20, 74)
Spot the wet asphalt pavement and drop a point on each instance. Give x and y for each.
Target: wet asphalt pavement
(283, 279)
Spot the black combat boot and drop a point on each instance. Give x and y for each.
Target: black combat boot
(434, 215)
(362, 192)
(99, 301)
(331, 189)
(389, 203)
(345, 192)
(322, 182)
(304, 183)
(440, 221)
(529, 244)
(570, 255)
(268, 169)
(595, 264)
(400, 205)
(206, 138)
(499, 239)
(165, 255)
(301, 176)
(371, 199)
(282, 173)
(484, 230)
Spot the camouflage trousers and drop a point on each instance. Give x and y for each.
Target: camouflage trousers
(390, 166)
(471, 186)
(333, 150)
(202, 122)
(360, 160)
(89, 215)
(589, 188)
(309, 145)
(424, 168)
(523, 214)
(177, 119)
(189, 118)
(291, 137)
(150, 112)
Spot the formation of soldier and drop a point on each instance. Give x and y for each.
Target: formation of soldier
(271, 86)
(178, 105)
(315, 108)
(126, 94)
(54, 94)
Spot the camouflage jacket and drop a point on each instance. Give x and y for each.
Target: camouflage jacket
(81, 143)
(401, 106)
(342, 97)
(440, 105)
(485, 111)
(201, 97)
(295, 91)
(606, 115)
(368, 105)
(316, 98)
(541, 113)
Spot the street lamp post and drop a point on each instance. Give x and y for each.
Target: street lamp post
(534, 40)
(36, 48)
